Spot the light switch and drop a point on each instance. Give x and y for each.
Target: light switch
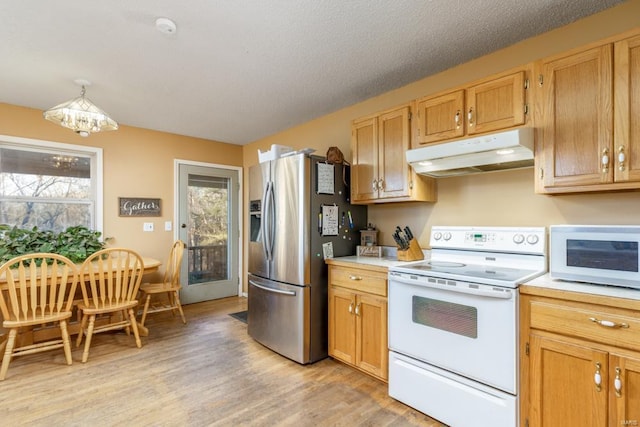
(167, 226)
(147, 226)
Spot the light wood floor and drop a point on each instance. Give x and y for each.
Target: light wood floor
(207, 373)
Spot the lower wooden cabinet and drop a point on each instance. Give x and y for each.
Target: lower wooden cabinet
(583, 362)
(358, 319)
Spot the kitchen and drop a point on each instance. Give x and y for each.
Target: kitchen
(506, 198)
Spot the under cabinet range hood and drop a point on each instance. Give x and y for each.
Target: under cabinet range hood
(510, 149)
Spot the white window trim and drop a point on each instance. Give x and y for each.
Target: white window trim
(95, 152)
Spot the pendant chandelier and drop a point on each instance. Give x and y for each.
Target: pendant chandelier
(81, 115)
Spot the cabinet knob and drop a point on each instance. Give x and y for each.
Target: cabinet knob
(609, 323)
(617, 383)
(621, 158)
(605, 160)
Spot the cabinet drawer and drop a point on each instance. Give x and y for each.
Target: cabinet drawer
(359, 279)
(581, 321)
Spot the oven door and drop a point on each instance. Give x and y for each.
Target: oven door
(466, 328)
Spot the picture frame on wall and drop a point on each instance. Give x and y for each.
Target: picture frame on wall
(138, 207)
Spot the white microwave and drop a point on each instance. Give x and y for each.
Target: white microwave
(603, 254)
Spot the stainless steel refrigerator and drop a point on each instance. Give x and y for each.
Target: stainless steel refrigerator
(299, 213)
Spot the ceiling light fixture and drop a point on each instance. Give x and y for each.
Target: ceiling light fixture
(81, 115)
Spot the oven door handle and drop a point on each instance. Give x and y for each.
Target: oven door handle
(483, 292)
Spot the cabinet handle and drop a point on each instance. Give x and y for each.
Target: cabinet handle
(374, 185)
(617, 383)
(358, 309)
(351, 307)
(381, 184)
(605, 160)
(608, 323)
(470, 116)
(597, 378)
(621, 158)
(456, 119)
(355, 277)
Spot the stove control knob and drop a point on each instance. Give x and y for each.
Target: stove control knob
(518, 239)
(437, 235)
(532, 239)
(447, 236)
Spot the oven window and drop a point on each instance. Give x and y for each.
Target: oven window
(603, 254)
(447, 316)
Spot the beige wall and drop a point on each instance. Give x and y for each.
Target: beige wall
(504, 198)
(137, 163)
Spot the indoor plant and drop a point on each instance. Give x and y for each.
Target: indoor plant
(76, 243)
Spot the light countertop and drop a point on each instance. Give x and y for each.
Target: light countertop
(389, 259)
(546, 282)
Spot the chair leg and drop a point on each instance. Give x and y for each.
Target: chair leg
(8, 352)
(65, 341)
(83, 324)
(145, 309)
(134, 326)
(85, 353)
(177, 301)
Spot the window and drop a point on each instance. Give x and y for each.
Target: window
(49, 185)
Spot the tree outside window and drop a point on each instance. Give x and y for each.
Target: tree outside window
(47, 188)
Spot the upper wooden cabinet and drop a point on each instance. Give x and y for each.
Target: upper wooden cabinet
(492, 104)
(587, 140)
(380, 172)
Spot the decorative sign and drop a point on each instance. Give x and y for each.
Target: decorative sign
(136, 206)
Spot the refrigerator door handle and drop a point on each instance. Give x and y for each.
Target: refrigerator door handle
(266, 214)
(276, 291)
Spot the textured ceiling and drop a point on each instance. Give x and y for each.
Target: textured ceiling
(239, 70)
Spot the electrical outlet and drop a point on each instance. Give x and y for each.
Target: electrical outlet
(147, 226)
(167, 226)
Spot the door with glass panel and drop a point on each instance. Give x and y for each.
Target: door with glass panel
(208, 223)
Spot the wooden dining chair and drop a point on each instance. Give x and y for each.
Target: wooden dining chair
(169, 287)
(39, 291)
(110, 283)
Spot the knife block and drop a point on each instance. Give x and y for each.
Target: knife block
(414, 253)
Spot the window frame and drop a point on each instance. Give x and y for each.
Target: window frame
(96, 168)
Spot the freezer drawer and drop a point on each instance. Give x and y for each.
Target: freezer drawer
(278, 317)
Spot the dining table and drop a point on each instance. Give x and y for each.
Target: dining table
(150, 265)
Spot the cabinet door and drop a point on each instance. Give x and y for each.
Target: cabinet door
(496, 104)
(372, 353)
(627, 110)
(577, 117)
(393, 142)
(562, 384)
(624, 404)
(364, 171)
(439, 118)
(342, 324)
